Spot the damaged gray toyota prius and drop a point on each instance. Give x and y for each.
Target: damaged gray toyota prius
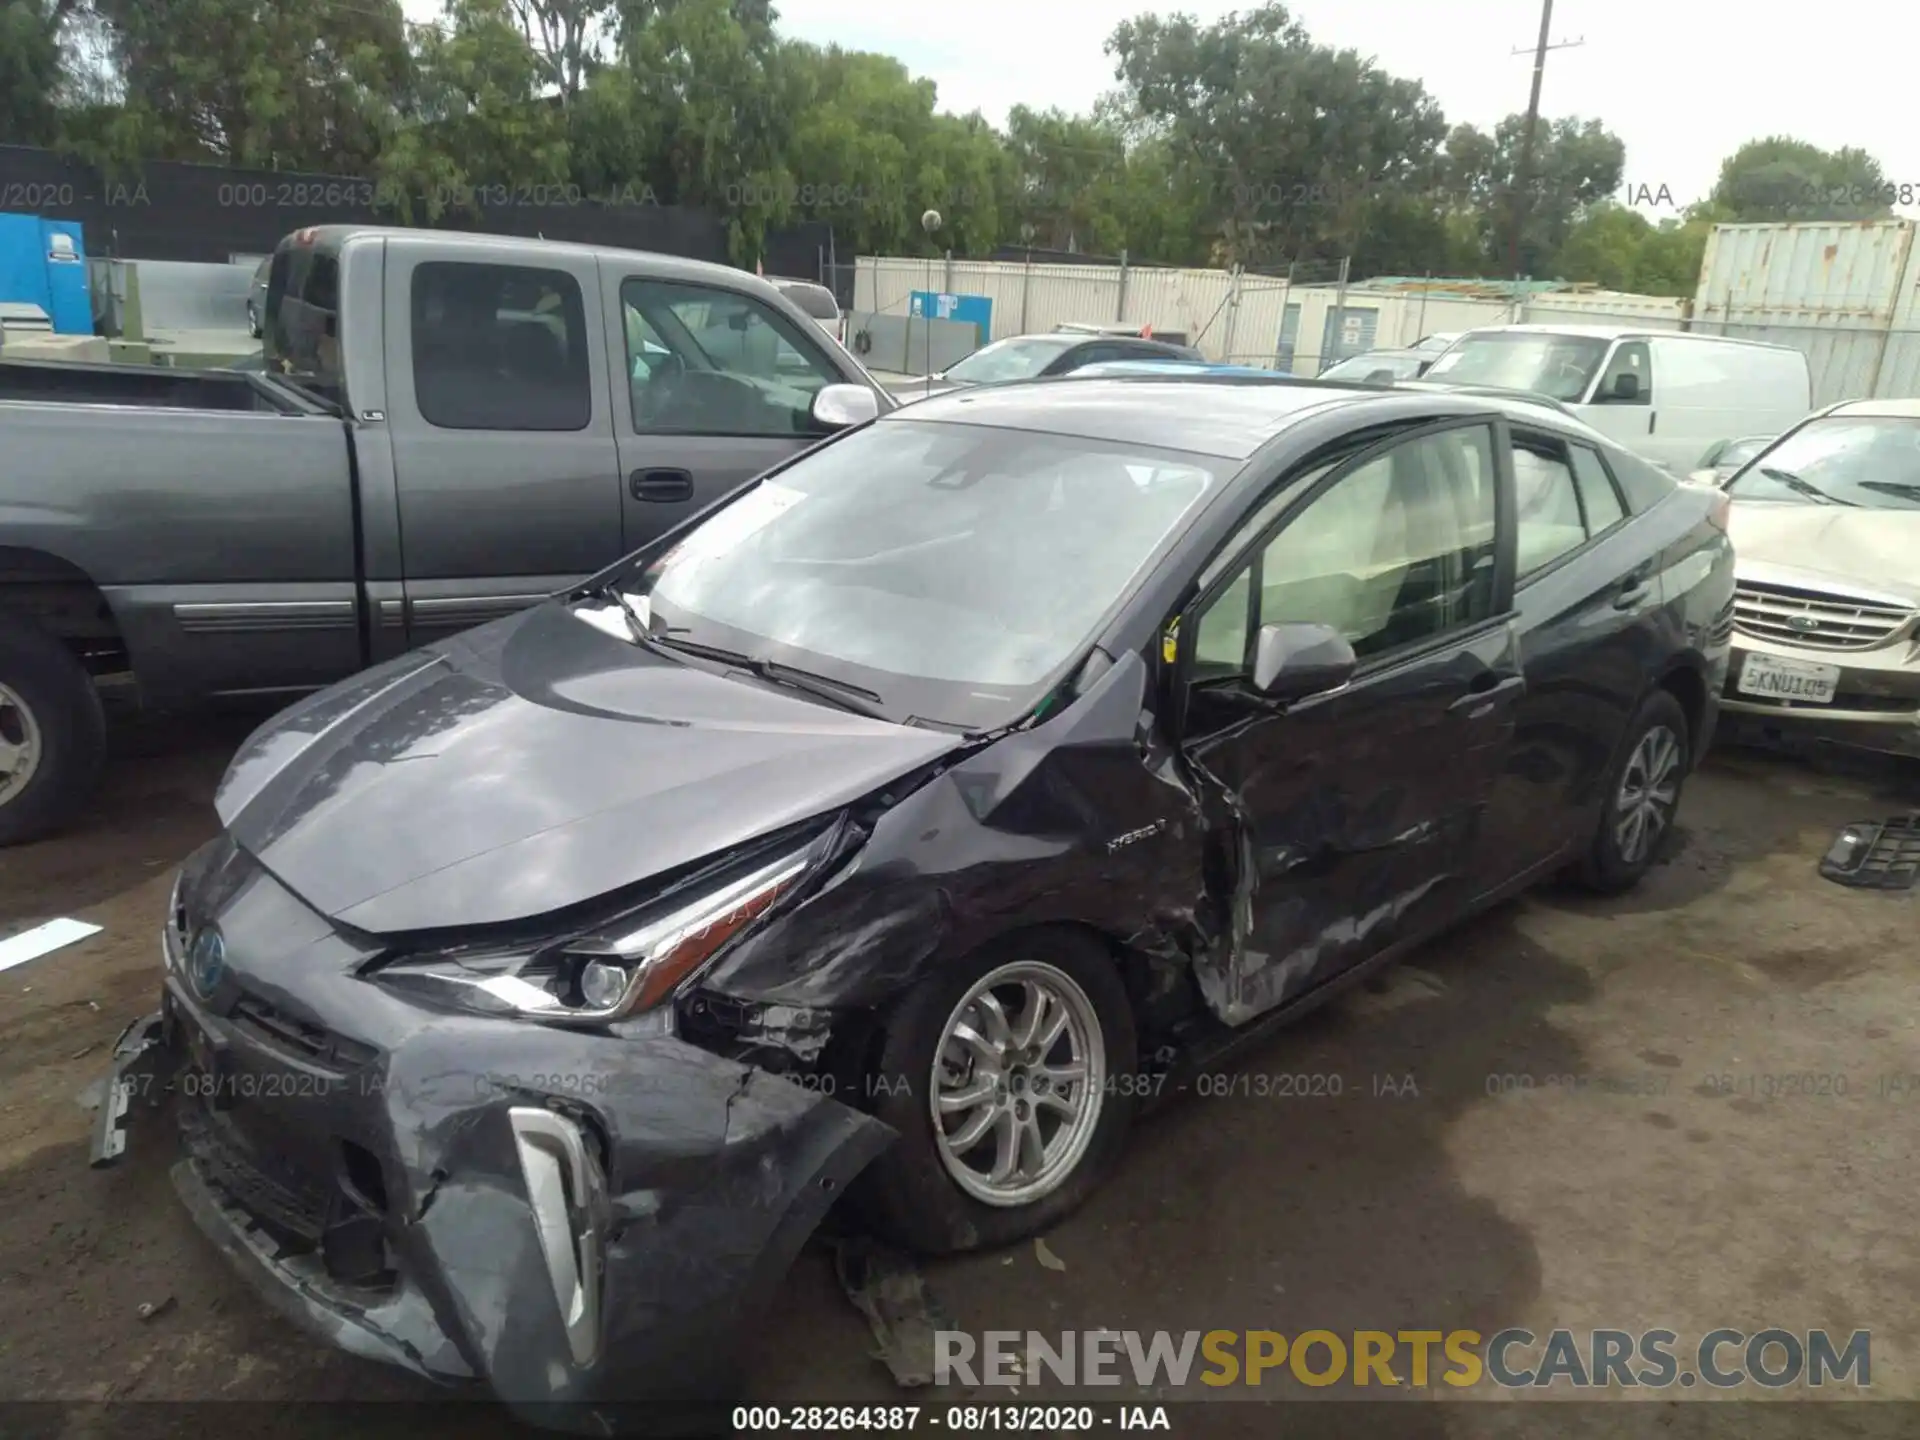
(876, 838)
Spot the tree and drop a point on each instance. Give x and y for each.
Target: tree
(31, 69)
(707, 74)
(1295, 139)
(1603, 247)
(472, 122)
(567, 36)
(1069, 179)
(1576, 164)
(258, 82)
(1783, 179)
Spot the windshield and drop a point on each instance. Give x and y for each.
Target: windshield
(1560, 366)
(1020, 358)
(1873, 464)
(1363, 367)
(1741, 451)
(950, 569)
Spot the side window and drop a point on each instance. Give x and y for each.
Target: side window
(1088, 355)
(1630, 358)
(1546, 504)
(706, 361)
(1394, 553)
(499, 347)
(1598, 498)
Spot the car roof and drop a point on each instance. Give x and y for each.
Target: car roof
(1879, 409)
(1622, 332)
(1234, 418)
(513, 247)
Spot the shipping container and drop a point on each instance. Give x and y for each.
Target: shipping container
(1842, 292)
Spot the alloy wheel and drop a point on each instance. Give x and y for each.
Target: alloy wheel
(1018, 1082)
(1649, 790)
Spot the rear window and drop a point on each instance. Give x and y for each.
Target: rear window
(301, 335)
(1641, 484)
(816, 300)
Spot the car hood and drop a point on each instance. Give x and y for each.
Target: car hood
(1870, 549)
(533, 764)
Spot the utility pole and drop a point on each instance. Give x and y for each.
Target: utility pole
(1523, 177)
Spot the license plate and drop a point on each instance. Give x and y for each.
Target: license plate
(1769, 677)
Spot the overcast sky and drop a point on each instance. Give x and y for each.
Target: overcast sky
(1682, 82)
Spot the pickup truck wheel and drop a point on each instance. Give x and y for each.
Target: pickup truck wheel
(1643, 792)
(1009, 1080)
(52, 734)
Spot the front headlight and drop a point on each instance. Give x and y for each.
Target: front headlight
(618, 970)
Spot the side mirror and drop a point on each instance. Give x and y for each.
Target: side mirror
(1626, 386)
(837, 407)
(1291, 662)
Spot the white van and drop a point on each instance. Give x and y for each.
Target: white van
(1664, 394)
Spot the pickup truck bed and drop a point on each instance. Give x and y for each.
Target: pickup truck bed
(145, 385)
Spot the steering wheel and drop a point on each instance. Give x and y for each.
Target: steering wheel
(655, 393)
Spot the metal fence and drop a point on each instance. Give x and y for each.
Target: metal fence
(1302, 318)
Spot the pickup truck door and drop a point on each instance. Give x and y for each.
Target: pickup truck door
(504, 459)
(715, 386)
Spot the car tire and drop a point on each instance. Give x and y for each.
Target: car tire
(52, 733)
(914, 1195)
(1646, 780)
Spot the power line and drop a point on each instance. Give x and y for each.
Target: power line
(1522, 177)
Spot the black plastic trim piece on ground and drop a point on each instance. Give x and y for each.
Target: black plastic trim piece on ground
(1876, 854)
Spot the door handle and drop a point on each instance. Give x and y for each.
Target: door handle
(1486, 689)
(1632, 591)
(1653, 419)
(660, 487)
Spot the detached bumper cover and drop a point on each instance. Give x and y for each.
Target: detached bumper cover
(623, 1307)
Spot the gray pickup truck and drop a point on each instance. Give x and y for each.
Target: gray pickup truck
(445, 428)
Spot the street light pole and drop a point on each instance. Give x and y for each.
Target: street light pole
(929, 222)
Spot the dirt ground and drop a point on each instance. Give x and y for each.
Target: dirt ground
(1692, 1107)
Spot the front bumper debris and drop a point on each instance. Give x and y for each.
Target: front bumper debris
(1876, 854)
(586, 1224)
(142, 1067)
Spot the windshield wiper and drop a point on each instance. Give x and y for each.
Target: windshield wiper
(1906, 489)
(1800, 487)
(856, 698)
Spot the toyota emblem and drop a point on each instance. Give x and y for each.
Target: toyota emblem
(1802, 623)
(206, 962)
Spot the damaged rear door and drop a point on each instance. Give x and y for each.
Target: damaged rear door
(1350, 818)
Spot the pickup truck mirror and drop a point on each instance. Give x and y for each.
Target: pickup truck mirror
(837, 407)
(1291, 662)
